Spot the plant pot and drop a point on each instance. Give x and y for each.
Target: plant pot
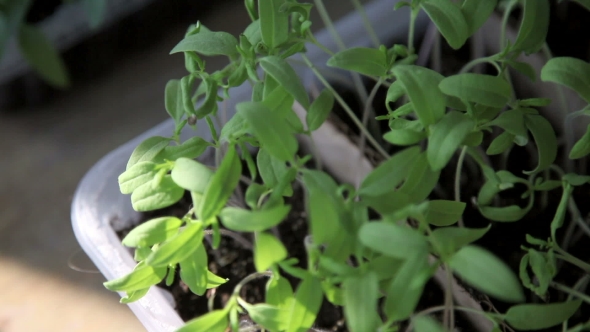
(99, 210)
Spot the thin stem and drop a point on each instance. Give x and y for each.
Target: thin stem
(366, 113)
(240, 239)
(572, 259)
(477, 61)
(505, 18)
(361, 10)
(570, 291)
(458, 179)
(449, 316)
(314, 41)
(346, 108)
(411, 31)
(249, 278)
(577, 217)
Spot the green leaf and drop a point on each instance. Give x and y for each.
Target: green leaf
(151, 232)
(213, 321)
(148, 150)
(582, 147)
(209, 105)
(360, 295)
(443, 213)
(134, 296)
(543, 267)
(524, 68)
(501, 143)
(451, 239)
(319, 110)
(512, 121)
(427, 323)
(484, 271)
(404, 136)
(234, 128)
(477, 12)
(323, 207)
(548, 185)
(95, 10)
(394, 92)
(570, 72)
(545, 139)
(143, 276)
(221, 186)
(208, 43)
(286, 76)
(530, 317)
(534, 102)
(191, 175)
(533, 30)
(449, 20)
(191, 148)
(575, 179)
(390, 172)
(280, 101)
(268, 316)
(506, 214)
(446, 137)
(487, 90)
(305, 307)
(559, 217)
(274, 23)
(179, 247)
(42, 56)
(392, 240)
(214, 281)
(272, 170)
(193, 269)
(421, 85)
(253, 32)
(150, 196)
(268, 250)
(279, 292)
(139, 174)
(272, 131)
(367, 61)
(242, 220)
(421, 180)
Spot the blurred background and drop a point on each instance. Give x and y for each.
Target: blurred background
(116, 55)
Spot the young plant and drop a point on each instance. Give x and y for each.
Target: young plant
(371, 248)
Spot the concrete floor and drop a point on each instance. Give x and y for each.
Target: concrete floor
(45, 153)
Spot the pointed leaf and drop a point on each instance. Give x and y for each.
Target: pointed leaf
(267, 316)
(360, 295)
(427, 323)
(143, 276)
(242, 220)
(191, 175)
(451, 239)
(533, 29)
(501, 143)
(477, 12)
(191, 148)
(148, 150)
(582, 146)
(286, 76)
(449, 20)
(193, 270)
(268, 250)
(529, 317)
(179, 247)
(421, 180)
(570, 72)
(390, 172)
(305, 307)
(279, 292)
(272, 170)
(392, 240)
(487, 90)
(524, 68)
(446, 137)
(274, 23)
(208, 43)
(443, 213)
(151, 232)
(367, 61)
(323, 207)
(545, 140)
(149, 196)
(213, 321)
(174, 103)
(319, 110)
(512, 121)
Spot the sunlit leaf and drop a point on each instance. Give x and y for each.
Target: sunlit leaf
(148, 150)
(268, 250)
(305, 307)
(193, 270)
(213, 321)
(243, 220)
(152, 231)
(179, 247)
(149, 196)
(392, 240)
(191, 175)
(143, 276)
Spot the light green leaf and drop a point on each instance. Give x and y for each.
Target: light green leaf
(134, 296)
(143, 276)
(391, 172)
(421, 180)
(545, 139)
(422, 86)
(273, 132)
(191, 175)
(501, 143)
(179, 247)
(367, 61)
(213, 321)
(191, 148)
(253, 32)
(305, 307)
(506, 214)
(214, 280)
(242, 220)
(150, 196)
(319, 110)
(484, 271)
(268, 250)
(451, 239)
(272, 171)
(193, 269)
(449, 20)
(404, 136)
(279, 292)
(446, 137)
(394, 92)
(208, 43)
(234, 128)
(360, 295)
(392, 240)
(323, 207)
(529, 317)
(274, 23)
(533, 30)
(209, 105)
(543, 267)
(477, 12)
(268, 316)
(280, 101)
(148, 150)
(286, 76)
(582, 147)
(487, 90)
(151, 232)
(42, 56)
(427, 323)
(221, 186)
(570, 72)
(139, 174)
(443, 213)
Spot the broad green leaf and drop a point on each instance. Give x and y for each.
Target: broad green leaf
(474, 138)
(477, 12)
(389, 174)
(151, 232)
(487, 90)
(191, 148)
(323, 208)
(319, 110)
(279, 292)
(524, 68)
(141, 253)
(421, 180)
(387, 203)
(281, 102)
(179, 247)
(533, 29)
(253, 32)
(446, 137)
(421, 85)
(272, 131)
(150, 196)
(208, 43)
(268, 250)
(286, 76)
(242, 220)
(582, 147)
(570, 72)
(333, 293)
(191, 175)
(505, 214)
(575, 179)
(392, 240)
(534, 102)
(529, 317)
(234, 128)
(268, 316)
(213, 321)
(253, 194)
(193, 269)
(449, 20)
(360, 295)
(95, 10)
(385, 267)
(272, 171)
(487, 273)
(221, 185)
(404, 136)
(451, 239)
(545, 139)
(305, 307)
(501, 143)
(367, 61)
(42, 56)
(214, 280)
(134, 296)
(173, 100)
(427, 323)
(139, 174)
(274, 23)
(143, 276)
(443, 213)
(148, 150)
(512, 121)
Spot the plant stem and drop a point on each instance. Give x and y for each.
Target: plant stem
(458, 179)
(505, 18)
(361, 10)
(411, 31)
(366, 113)
(449, 316)
(346, 108)
(314, 41)
(249, 278)
(570, 291)
(477, 61)
(564, 255)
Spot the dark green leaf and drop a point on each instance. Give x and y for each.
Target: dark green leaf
(570, 72)
(268, 250)
(367, 61)
(474, 138)
(191, 175)
(484, 271)
(143, 276)
(191, 148)
(272, 171)
(392, 240)
(443, 213)
(208, 43)
(446, 137)
(268, 316)
(242, 220)
(534, 27)
(512, 121)
(451, 239)
(582, 147)
(139, 174)
(360, 295)
(319, 110)
(534, 102)
(286, 76)
(234, 128)
(529, 317)
(506, 214)
(561, 210)
(179, 247)
(545, 139)
(391, 172)
(575, 179)
(427, 323)
(543, 267)
(209, 105)
(385, 267)
(193, 269)
(394, 92)
(501, 143)
(404, 136)
(151, 232)
(477, 12)
(524, 68)
(449, 20)
(305, 307)
(42, 56)
(274, 23)
(421, 180)
(487, 90)
(213, 321)
(548, 185)
(148, 150)
(151, 196)
(173, 100)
